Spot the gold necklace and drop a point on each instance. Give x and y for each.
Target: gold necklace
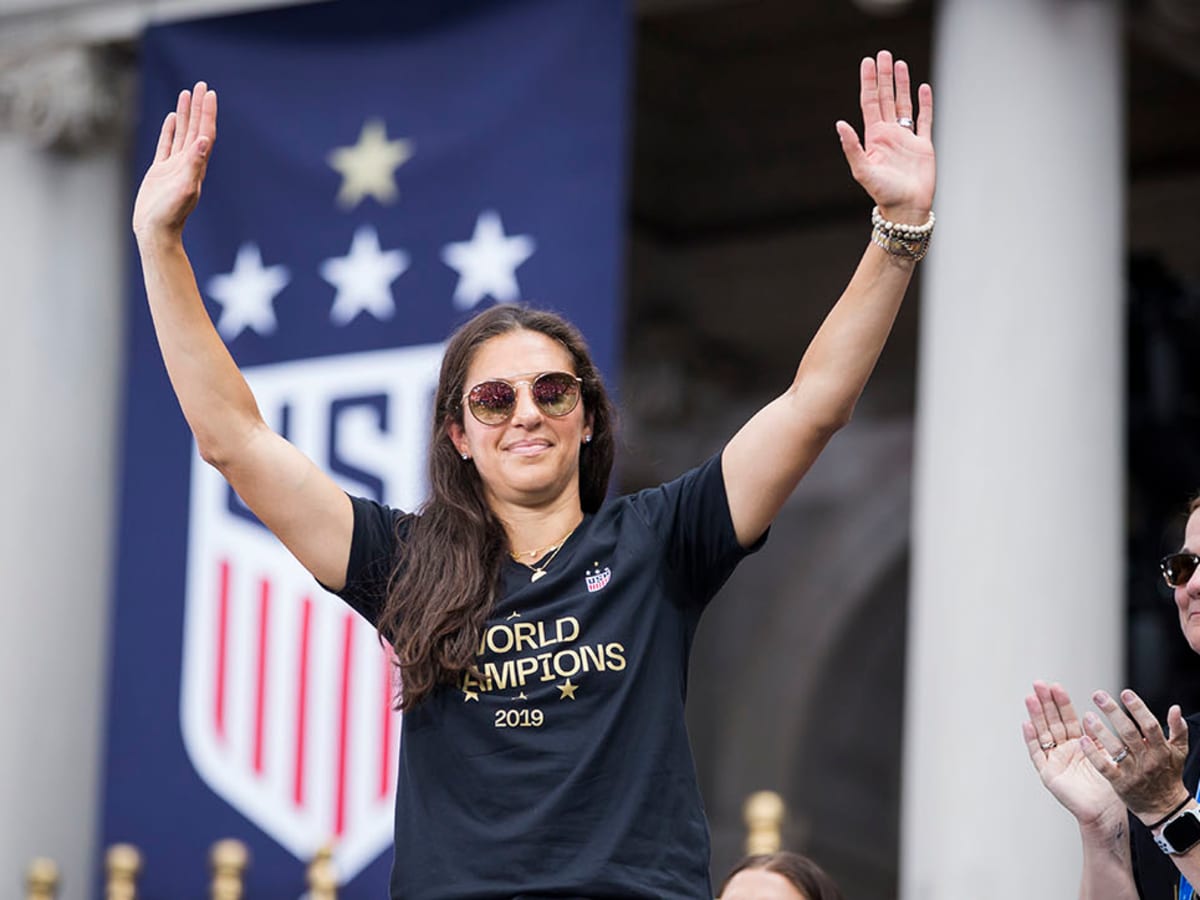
(552, 549)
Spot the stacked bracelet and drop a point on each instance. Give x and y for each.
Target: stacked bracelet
(898, 239)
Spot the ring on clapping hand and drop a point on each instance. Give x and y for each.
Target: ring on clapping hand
(1048, 745)
(905, 122)
(1121, 754)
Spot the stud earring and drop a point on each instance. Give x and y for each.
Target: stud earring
(587, 438)
(465, 455)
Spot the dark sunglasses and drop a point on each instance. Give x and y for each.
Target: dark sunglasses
(1177, 568)
(493, 402)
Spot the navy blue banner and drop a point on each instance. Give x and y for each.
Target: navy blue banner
(381, 173)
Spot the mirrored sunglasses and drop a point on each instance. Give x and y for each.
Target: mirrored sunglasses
(493, 402)
(1177, 568)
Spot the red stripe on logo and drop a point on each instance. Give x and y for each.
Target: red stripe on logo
(302, 701)
(260, 697)
(222, 645)
(385, 749)
(339, 822)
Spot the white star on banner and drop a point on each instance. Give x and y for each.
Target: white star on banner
(363, 278)
(369, 166)
(487, 264)
(246, 294)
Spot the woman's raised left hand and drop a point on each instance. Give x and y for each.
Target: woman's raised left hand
(894, 163)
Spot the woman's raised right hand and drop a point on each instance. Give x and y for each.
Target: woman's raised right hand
(1052, 735)
(171, 186)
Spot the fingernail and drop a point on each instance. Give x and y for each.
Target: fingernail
(1100, 697)
(1127, 696)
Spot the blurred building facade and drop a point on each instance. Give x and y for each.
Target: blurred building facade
(966, 534)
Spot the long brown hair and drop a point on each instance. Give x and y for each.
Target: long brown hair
(447, 573)
(805, 875)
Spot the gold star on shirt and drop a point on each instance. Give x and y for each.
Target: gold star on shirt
(513, 615)
(470, 695)
(568, 690)
(521, 696)
(369, 167)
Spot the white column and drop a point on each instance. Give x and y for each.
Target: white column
(1017, 550)
(63, 227)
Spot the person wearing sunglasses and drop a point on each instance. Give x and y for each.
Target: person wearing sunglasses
(1131, 788)
(541, 629)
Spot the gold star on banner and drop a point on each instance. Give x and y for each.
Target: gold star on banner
(521, 696)
(470, 695)
(568, 690)
(369, 167)
(514, 615)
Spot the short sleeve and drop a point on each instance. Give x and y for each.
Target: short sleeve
(691, 517)
(377, 531)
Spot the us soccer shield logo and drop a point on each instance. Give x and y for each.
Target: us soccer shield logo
(287, 694)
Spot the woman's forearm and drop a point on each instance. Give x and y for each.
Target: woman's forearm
(215, 398)
(839, 360)
(1107, 862)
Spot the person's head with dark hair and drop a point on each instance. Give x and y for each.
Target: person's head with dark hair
(779, 876)
(515, 336)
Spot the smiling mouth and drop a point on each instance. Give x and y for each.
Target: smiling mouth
(525, 449)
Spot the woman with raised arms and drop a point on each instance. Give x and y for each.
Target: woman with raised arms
(542, 631)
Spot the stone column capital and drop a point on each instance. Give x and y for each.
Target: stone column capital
(65, 97)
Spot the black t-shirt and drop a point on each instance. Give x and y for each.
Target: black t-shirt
(566, 772)
(1153, 872)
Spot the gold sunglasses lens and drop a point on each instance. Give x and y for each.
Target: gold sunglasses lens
(492, 402)
(556, 393)
(1178, 568)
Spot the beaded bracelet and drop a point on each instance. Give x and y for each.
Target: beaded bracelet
(899, 239)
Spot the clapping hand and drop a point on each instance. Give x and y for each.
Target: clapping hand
(1143, 766)
(1054, 736)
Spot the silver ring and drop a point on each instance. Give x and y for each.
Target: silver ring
(905, 122)
(1124, 752)
(1048, 745)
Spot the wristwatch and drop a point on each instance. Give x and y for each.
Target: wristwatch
(1180, 833)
